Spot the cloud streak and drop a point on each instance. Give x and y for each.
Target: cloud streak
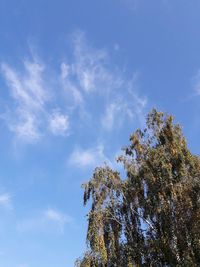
(29, 95)
(5, 201)
(29, 115)
(47, 220)
(58, 123)
(90, 157)
(92, 91)
(92, 78)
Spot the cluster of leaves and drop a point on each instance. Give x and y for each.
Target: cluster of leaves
(151, 218)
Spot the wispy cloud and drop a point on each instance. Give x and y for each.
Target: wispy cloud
(58, 217)
(5, 201)
(27, 90)
(58, 123)
(91, 77)
(92, 67)
(28, 116)
(69, 84)
(121, 109)
(112, 110)
(92, 91)
(89, 157)
(89, 64)
(47, 220)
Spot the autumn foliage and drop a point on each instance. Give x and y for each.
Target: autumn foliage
(152, 216)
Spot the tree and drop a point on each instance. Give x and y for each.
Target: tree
(152, 217)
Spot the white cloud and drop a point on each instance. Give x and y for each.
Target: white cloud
(27, 88)
(123, 107)
(58, 123)
(88, 72)
(89, 64)
(5, 201)
(29, 115)
(30, 97)
(93, 92)
(27, 127)
(91, 77)
(82, 158)
(65, 69)
(46, 221)
(72, 92)
(57, 217)
(112, 110)
(88, 157)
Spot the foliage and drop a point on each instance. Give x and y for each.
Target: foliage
(151, 218)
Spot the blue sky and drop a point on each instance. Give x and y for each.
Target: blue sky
(76, 79)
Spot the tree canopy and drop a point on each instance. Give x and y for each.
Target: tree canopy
(152, 216)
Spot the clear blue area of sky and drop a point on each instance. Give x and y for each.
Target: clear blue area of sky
(76, 78)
